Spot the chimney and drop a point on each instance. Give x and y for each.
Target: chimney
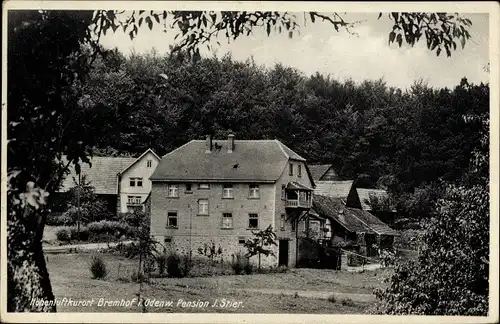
(230, 142)
(208, 144)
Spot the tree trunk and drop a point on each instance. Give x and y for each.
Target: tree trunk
(27, 275)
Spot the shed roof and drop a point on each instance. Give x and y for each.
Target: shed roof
(251, 160)
(352, 219)
(335, 189)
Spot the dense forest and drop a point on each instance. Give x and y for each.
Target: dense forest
(407, 141)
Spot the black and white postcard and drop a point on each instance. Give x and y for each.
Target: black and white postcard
(240, 162)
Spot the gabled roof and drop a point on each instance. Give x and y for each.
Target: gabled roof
(335, 209)
(352, 219)
(364, 197)
(335, 189)
(139, 158)
(102, 175)
(318, 170)
(251, 160)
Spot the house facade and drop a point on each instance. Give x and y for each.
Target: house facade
(217, 192)
(123, 182)
(134, 185)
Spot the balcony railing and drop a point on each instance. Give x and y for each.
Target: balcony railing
(296, 203)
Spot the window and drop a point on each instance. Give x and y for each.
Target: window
(173, 190)
(254, 191)
(172, 219)
(150, 163)
(227, 220)
(299, 170)
(227, 191)
(253, 221)
(204, 186)
(134, 200)
(135, 182)
(283, 192)
(293, 225)
(282, 222)
(167, 240)
(241, 240)
(203, 207)
(188, 187)
(290, 169)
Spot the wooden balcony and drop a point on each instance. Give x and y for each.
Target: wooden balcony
(297, 203)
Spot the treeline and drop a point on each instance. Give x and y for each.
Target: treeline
(378, 135)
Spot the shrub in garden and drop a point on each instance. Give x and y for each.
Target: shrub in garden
(98, 268)
(178, 266)
(174, 265)
(238, 263)
(137, 276)
(186, 265)
(332, 299)
(347, 302)
(114, 228)
(161, 261)
(63, 234)
(83, 235)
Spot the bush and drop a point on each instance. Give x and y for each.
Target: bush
(137, 276)
(113, 228)
(161, 261)
(347, 302)
(63, 234)
(178, 266)
(98, 268)
(332, 299)
(239, 263)
(59, 220)
(82, 236)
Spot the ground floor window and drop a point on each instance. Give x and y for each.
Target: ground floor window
(227, 220)
(253, 221)
(172, 219)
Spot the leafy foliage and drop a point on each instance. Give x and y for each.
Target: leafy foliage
(261, 244)
(453, 252)
(98, 267)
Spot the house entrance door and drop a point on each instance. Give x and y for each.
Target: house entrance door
(283, 253)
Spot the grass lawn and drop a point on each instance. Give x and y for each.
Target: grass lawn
(71, 278)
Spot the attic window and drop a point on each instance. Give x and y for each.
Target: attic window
(290, 169)
(150, 163)
(299, 170)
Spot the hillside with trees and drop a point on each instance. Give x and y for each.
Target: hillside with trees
(407, 141)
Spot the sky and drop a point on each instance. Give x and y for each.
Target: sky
(319, 48)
